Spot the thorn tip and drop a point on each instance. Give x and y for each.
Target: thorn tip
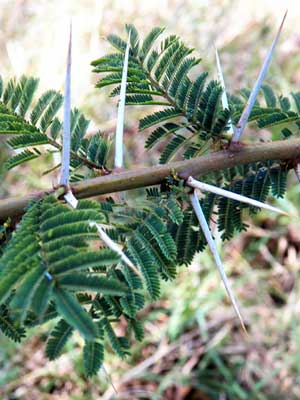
(256, 88)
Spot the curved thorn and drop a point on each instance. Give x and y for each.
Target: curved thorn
(256, 88)
(212, 246)
(231, 195)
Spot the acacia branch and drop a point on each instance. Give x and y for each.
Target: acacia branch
(148, 176)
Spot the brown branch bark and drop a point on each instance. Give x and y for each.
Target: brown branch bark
(148, 176)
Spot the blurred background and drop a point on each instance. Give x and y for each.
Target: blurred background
(193, 347)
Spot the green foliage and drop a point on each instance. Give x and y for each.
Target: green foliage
(192, 113)
(9, 327)
(193, 108)
(187, 235)
(51, 267)
(69, 308)
(39, 271)
(93, 353)
(192, 121)
(55, 265)
(58, 338)
(273, 112)
(41, 127)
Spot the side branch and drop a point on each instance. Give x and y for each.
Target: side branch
(141, 177)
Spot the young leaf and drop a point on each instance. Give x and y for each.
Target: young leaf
(23, 297)
(8, 327)
(74, 314)
(59, 337)
(40, 299)
(93, 354)
(78, 282)
(89, 259)
(20, 158)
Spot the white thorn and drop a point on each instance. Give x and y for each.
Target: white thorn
(71, 199)
(231, 195)
(114, 246)
(250, 103)
(121, 111)
(224, 99)
(64, 180)
(212, 246)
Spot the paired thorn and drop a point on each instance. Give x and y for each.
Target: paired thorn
(114, 246)
(250, 103)
(212, 246)
(66, 148)
(121, 111)
(224, 98)
(70, 198)
(231, 195)
(195, 184)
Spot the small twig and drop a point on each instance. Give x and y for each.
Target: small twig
(231, 195)
(78, 157)
(250, 103)
(148, 176)
(109, 379)
(212, 246)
